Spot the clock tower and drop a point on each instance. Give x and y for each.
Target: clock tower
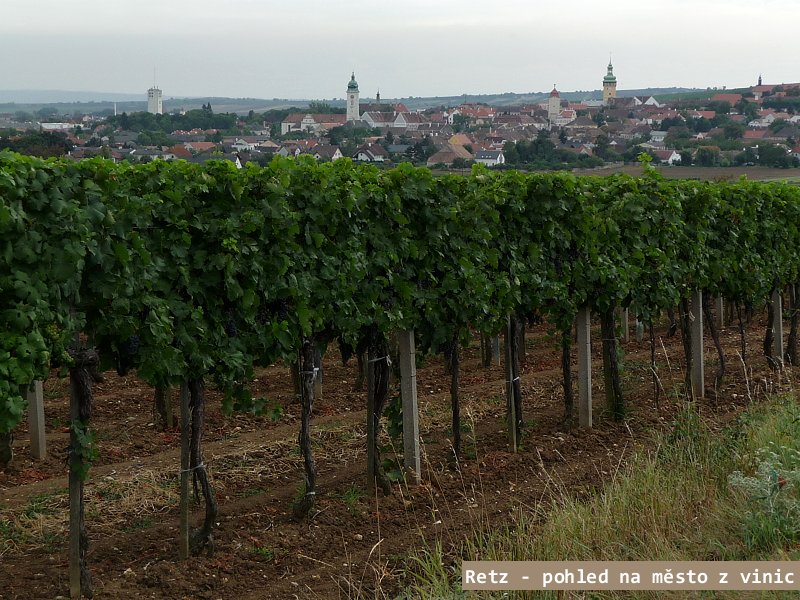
(609, 85)
(352, 100)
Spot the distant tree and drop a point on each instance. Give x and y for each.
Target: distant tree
(325, 108)
(510, 152)
(785, 104)
(770, 155)
(707, 157)
(422, 150)
(562, 136)
(670, 122)
(733, 130)
(601, 145)
(460, 123)
(700, 125)
(34, 143)
(47, 112)
(22, 116)
(748, 109)
(462, 163)
(721, 106)
(777, 125)
(686, 157)
(154, 138)
(748, 157)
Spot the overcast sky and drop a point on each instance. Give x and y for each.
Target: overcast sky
(307, 48)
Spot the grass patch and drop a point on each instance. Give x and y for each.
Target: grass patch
(696, 496)
(41, 504)
(139, 525)
(264, 552)
(351, 497)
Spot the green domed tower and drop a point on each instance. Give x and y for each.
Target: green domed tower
(352, 99)
(609, 85)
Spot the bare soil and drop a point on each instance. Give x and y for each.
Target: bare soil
(703, 173)
(355, 543)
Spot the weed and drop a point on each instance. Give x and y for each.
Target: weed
(771, 518)
(264, 552)
(351, 498)
(51, 541)
(139, 525)
(299, 493)
(40, 504)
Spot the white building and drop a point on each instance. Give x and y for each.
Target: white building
(490, 158)
(353, 108)
(155, 104)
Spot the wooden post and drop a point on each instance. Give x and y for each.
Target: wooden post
(75, 499)
(584, 323)
(496, 350)
(372, 432)
(317, 373)
(626, 330)
(509, 372)
(35, 397)
(720, 312)
(408, 392)
(183, 540)
(777, 327)
(698, 367)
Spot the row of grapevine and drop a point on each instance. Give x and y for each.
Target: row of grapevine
(185, 271)
(191, 273)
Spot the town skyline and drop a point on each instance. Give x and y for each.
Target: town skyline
(267, 50)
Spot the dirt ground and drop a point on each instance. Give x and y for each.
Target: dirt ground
(702, 173)
(355, 543)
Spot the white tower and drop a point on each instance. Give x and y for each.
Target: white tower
(154, 102)
(353, 113)
(553, 106)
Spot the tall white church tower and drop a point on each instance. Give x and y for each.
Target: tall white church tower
(553, 106)
(154, 103)
(353, 113)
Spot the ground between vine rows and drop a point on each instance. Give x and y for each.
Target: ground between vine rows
(355, 544)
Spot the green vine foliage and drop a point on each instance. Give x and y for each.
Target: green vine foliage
(186, 271)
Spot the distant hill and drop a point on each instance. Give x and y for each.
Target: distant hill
(67, 102)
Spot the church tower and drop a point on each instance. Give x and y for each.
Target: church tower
(553, 106)
(352, 100)
(609, 85)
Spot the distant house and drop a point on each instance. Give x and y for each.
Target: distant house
(729, 98)
(141, 154)
(658, 137)
(754, 134)
(409, 121)
(398, 148)
(180, 151)
(448, 154)
(490, 158)
(371, 153)
(379, 119)
(311, 123)
(242, 145)
(669, 157)
(200, 147)
(327, 152)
